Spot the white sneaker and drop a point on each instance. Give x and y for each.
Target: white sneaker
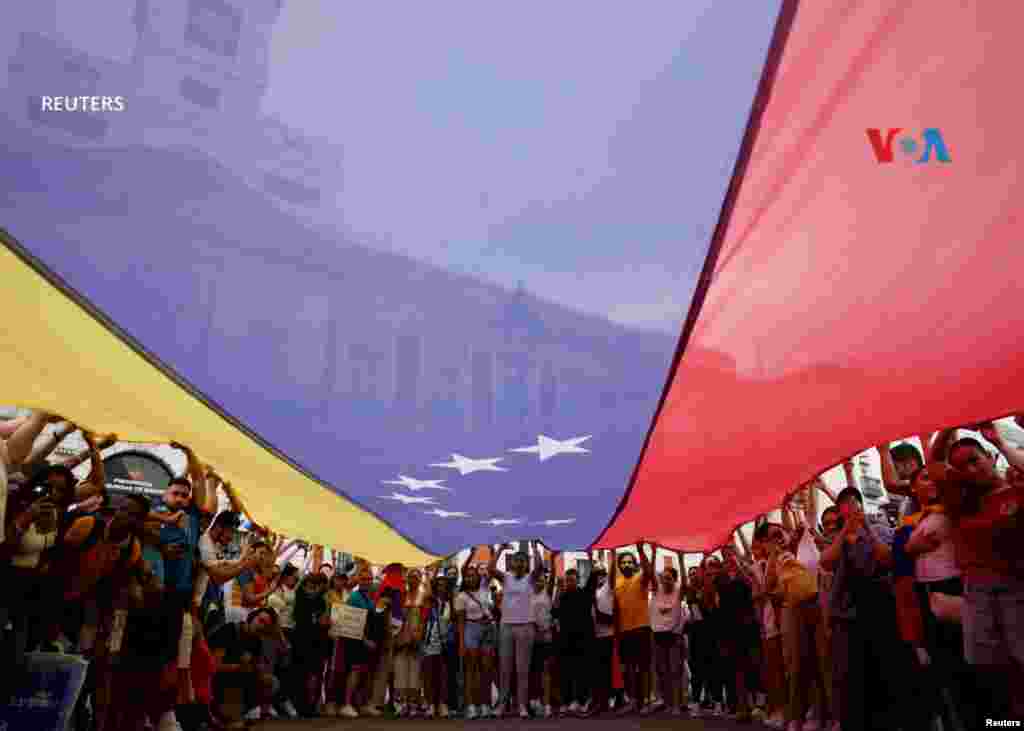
(444, 711)
(330, 710)
(349, 712)
(168, 722)
(548, 712)
(430, 713)
(254, 715)
(627, 708)
(695, 710)
(574, 707)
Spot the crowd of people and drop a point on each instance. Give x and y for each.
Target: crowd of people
(823, 620)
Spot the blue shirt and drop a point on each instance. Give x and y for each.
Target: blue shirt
(178, 574)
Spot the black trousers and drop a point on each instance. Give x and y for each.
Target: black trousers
(575, 672)
(957, 684)
(876, 682)
(601, 677)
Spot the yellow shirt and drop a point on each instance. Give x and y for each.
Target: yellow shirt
(633, 598)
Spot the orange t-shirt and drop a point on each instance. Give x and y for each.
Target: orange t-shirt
(633, 598)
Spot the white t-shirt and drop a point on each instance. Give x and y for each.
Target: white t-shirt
(475, 611)
(684, 618)
(940, 564)
(207, 554)
(666, 611)
(540, 615)
(605, 603)
(282, 601)
(515, 606)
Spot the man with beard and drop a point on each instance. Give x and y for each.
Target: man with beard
(632, 597)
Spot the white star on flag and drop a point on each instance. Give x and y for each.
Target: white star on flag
(560, 521)
(547, 447)
(408, 499)
(446, 514)
(416, 485)
(501, 521)
(467, 466)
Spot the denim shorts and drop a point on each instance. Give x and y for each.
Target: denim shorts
(480, 636)
(993, 620)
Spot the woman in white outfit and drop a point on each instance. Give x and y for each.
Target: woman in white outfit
(517, 631)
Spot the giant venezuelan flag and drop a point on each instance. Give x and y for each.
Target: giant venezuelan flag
(416, 282)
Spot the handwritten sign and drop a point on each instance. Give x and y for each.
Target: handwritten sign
(348, 622)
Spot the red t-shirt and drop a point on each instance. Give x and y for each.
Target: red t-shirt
(988, 544)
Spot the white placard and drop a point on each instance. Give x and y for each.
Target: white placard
(348, 622)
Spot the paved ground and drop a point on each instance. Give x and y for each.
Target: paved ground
(573, 724)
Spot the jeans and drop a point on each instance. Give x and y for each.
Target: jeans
(516, 651)
(994, 623)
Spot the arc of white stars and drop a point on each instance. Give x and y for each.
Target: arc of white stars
(559, 521)
(501, 521)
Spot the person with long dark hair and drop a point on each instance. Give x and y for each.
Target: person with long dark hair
(311, 645)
